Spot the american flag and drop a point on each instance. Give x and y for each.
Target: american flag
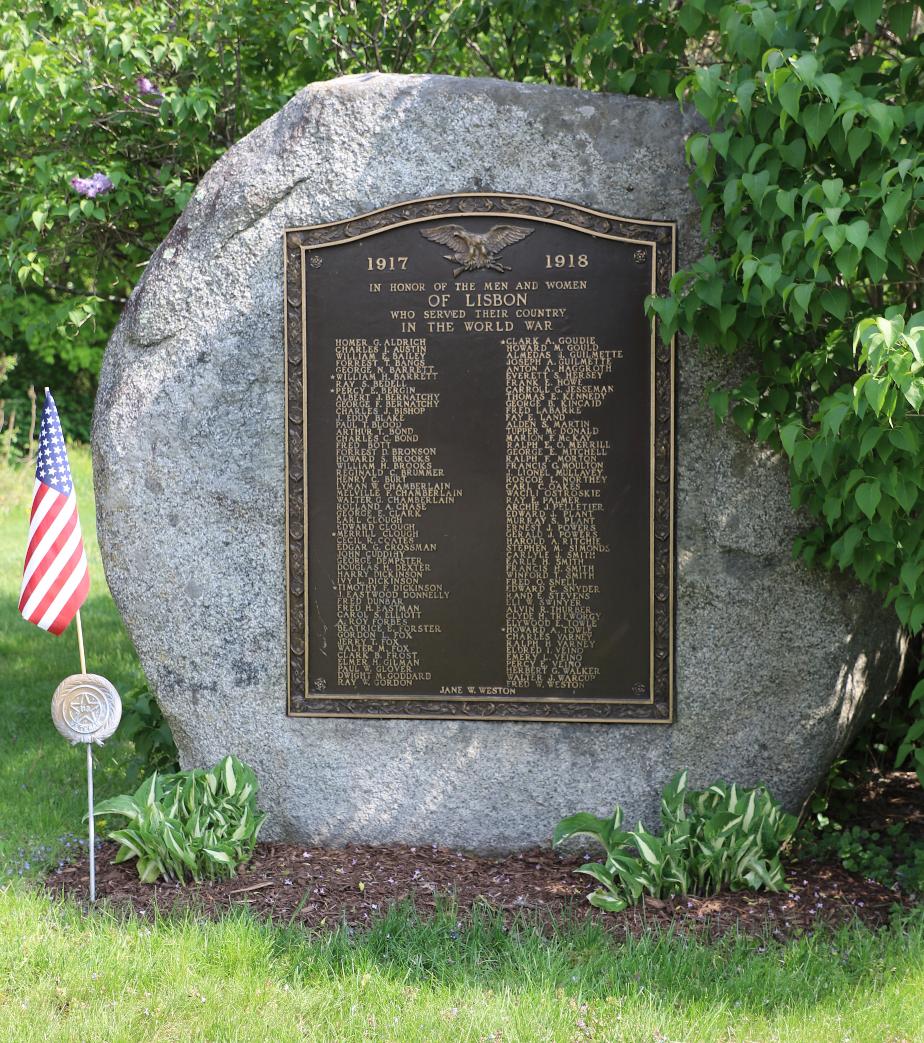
(55, 578)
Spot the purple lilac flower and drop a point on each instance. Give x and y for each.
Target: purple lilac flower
(145, 86)
(91, 187)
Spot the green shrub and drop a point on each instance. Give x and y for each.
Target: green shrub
(891, 855)
(810, 182)
(890, 850)
(200, 823)
(150, 95)
(723, 836)
(143, 723)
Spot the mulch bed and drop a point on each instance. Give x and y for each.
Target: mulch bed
(887, 799)
(321, 888)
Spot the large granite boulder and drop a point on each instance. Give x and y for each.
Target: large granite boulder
(774, 663)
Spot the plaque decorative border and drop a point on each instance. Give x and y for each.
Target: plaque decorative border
(661, 237)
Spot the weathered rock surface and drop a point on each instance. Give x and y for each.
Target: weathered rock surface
(774, 663)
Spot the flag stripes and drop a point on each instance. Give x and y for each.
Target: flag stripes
(55, 578)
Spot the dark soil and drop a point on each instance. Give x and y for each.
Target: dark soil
(324, 887)
(884, 800)
(354, 885)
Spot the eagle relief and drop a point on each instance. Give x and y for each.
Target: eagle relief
(471, 250)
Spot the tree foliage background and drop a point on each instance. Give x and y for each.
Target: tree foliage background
(810, 177)
(150, 95)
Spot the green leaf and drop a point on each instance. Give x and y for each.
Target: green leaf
(868, 496)
(227, 771)
(219, 856)
(802, 294)
(146, 794)
(910, 574)
(857, 232)
(183, 827)
(744, 92)
(178, 849)
(609, 903)
(833, 189)
(625, 865)
(749, 810)
(912, 242)
(124, 805)
(906, 493)
(831, 84)
(690, 18)
(786, 201)
(868, 442)
(896, 203)
(817, 120)
(769, 272)
(150, 869)
(756, 185)
(718, 403)
(834, 417)
(764, 20)
(901, 17)
(789, 94)
(858, 141)
(868, 12)
(806, 66)
(847, 545)
(914, 393)
(597, 872)
(876, 391)
(648, 846)
(581, 824)
(836, 236)
(836, 300)
(132, 844)
(793, 153)
(698, 149)
(788, 435)
(710, 291)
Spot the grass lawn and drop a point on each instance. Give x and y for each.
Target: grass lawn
(64, 977)
(68, 976)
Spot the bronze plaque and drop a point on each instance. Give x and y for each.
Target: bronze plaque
(479, 457)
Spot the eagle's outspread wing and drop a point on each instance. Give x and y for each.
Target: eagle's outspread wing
(504, 235)
(454, 236)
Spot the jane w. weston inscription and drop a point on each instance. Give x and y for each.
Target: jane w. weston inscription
(479, 464)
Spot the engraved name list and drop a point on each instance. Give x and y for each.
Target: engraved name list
(479, 464)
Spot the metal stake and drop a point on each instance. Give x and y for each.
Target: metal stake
(89, 745)
(92, 824)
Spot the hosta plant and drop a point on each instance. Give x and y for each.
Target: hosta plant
(723, 836)
(196, 823)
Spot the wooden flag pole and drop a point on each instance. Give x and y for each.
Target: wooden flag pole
(89, 745)
(83, 655)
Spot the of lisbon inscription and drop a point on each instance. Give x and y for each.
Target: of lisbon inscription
(479, 464)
